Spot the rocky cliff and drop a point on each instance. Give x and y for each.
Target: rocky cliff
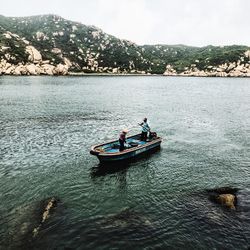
(51, 45)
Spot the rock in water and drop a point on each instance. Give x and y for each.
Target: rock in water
(228, 200)
(50, 205)
(225, 196)
(126, 219)
(28, 221)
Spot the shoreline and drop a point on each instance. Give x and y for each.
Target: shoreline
(121, 75)
(178, 75)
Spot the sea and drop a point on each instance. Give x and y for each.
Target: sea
(158, 201)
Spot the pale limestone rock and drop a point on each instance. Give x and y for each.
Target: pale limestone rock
(74, 28)
(48, 69)
(221, 74)
(220, 69)
(34, 54)
(32, 69)
(56, 51)
(7, 56)
(247, 54)
(20, 69)
(39, 35)
(202, 73)
(223, 67)
(10, 70)
(46, 62)
(7, 35)
(235, 73)
(170, 71)
(239, 68)
(61, 69)
(96, 34)
(17, 71)
(7, 65)
(231, 66)
(25, 41)
(3, 48)
(67, 62)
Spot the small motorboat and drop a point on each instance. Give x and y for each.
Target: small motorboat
(109, 152)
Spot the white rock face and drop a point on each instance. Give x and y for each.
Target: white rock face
(34, 54)
(7, 35)
(170, 71)
(39, 35)
(10, 70)
(48, 69)
(74, 28)
(61, 69)
(67, 62)
(4, 48)
(247, 54)
(231, 66)
(32, 69)
(56, 51)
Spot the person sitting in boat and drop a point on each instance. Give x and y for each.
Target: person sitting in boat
(122, 139)
(145, 129)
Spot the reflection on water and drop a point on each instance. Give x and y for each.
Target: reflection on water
(158, 200)
(105, 168)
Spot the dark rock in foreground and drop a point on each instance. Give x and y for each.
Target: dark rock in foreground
(29, 221)
(47, 208)
(126, 218)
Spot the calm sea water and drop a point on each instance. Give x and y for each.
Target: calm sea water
(48, 124)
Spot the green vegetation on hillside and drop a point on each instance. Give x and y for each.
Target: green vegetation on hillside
(89, 49)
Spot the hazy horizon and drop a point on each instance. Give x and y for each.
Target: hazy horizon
(160, 22)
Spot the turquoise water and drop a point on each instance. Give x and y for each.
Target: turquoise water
(48, 124)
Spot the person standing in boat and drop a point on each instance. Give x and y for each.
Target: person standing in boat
(122, 139)
(145, 129)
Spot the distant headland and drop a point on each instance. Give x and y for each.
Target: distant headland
(52, 45)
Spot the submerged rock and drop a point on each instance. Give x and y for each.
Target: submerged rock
(225, 196)
(47, 210)
(127, 218)
(27, 222)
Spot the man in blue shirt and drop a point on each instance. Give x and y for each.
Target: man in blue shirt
(145, 129)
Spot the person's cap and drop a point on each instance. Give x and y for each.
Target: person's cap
(125, 131)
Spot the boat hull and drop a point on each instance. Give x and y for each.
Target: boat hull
(127, 154)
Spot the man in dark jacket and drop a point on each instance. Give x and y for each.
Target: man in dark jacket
(122, 139)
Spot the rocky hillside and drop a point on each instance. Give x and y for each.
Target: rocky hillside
(51, 45)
